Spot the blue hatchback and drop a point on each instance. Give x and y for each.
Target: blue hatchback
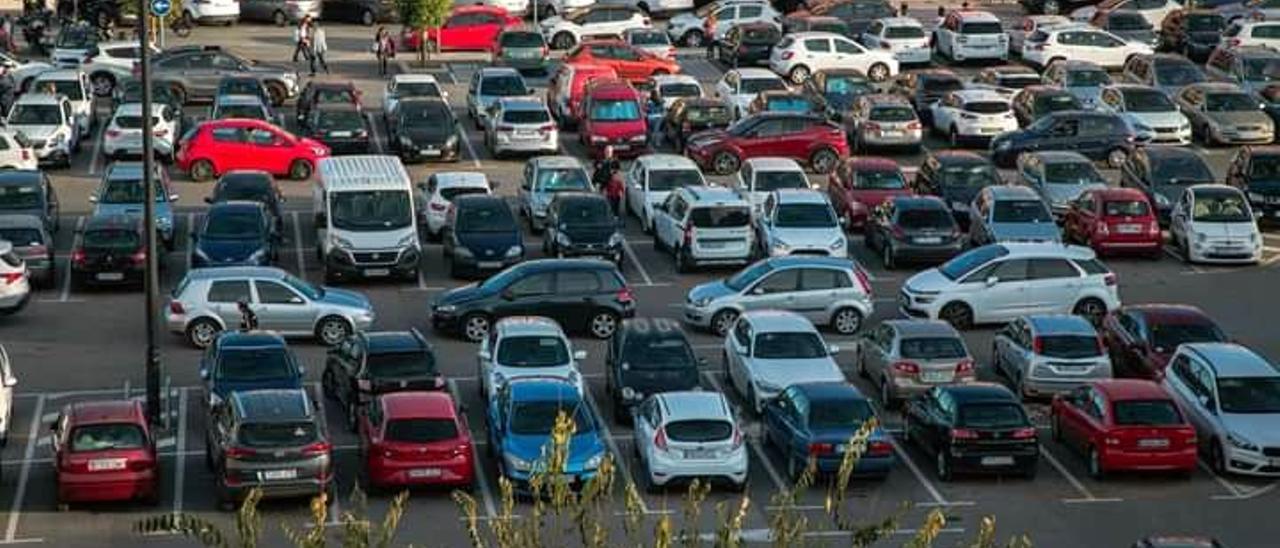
(521, 417)
(237, 233)
(817, 420)
(248, 360)
(121, 193)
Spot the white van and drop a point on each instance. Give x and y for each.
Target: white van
(365, 221)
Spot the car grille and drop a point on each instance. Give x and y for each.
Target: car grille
(375, 257)
(1271, 451)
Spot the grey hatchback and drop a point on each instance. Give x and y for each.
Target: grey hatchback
(1010, 214)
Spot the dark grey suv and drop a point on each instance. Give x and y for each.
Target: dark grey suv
(194, 72)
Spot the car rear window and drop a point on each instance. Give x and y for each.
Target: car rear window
(789, 104)
(1146, 413)
(615, 110)
(278, 434)
(113, 238)
(699, 431)
(904, 32)
(417, 89)
(1054, 102)
(1088, 78)
(521, 40)
(650, 38)
(453, 192)
(526, 116)
(682, 89)
(981, 27)
(838, 413)
(10, 259)
(503, 86)
(1167, 336)
(708, 114)
(1092, 266)
(893, 114)
(1069, 347)
(22, 236)
(1072, 173)
(663, 180)
(932, 348)
(254, 364)
(720, 217)
(992, 415)
(879, 179)
(421, 430)
(1126, 208)
(769, 181)
(658, 352)
(793, 345)
(757, 85)
(986, 107)
(25, 196)
(1020, 211)
(401, 364)
(765, 35)
(925, 218)
(106, 436)
(941, 85)
(485, 218)
(532, 351)
(586, 212)
(134, 122)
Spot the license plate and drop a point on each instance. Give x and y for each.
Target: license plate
(997, 461)
(935, 376)
(424, 473)
(377, 272)
(110, 276)
(430, 152)
(1128, 229)
(988, 130)
(275, 475)
(340, 134)
(929, 240)
(621, 147)
(891, 133)
(525, 133)
(699, 454)
(102, 465)
(489, 264)
(1153, 442)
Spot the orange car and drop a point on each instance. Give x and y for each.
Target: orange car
(565, 90)
(632, 64)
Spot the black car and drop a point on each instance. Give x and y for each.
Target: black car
(257, 186)
(30, 192)
(423, 128)
(1256, 171)
(913, 229)
(956, 176)
(109, 250)
(326, 93)
(794, 23)
(857, 14)
(365, 12)
(235, 233)
(973, 427)
(583, 295)
(1033, 102)
(1099, 136)
(242, 85)
(342, 128)
(838, 89)
(481, 235)
(1192, 32)
(1054, 7)
(582, 224)
(691, 115)
(1163, 174)
(925, 87)
(378, 362)
(644, 357)
(747, 44)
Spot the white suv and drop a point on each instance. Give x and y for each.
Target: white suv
(799, 55)
(74, 85)
(564, 32)
(527, 346)
(15, 288)
(123, 135)
(800, 222)
(49, 125)
(1080, 43)
(904, 37)
(1214, 224)
(651, 178)
(688, 29)
(991, 284)
(1253, 33)
(973, 114)
(760, 176)
(689, 435)
(965, 35)
(704, 225)
(15, 153)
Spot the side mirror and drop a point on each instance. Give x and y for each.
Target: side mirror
(757, 291)
(296, 300)
(833, 349)
(992, 280)
(484, 355)
(204, 374)
(10, 381)
(208, 199)
(580, 355)
(493, 185)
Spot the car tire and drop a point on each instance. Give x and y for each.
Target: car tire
(332, 330)
(723, 321)
(475, 327)
(798, 75)
(300, 170)
(725, 163)
(958, 314)
(1217, 459)
(276, 93)
(878, 72)
(846, 321)
(208, 457)
(1095, 464)
(202, 332)
(861, 362)
(693, 39)
(563, 40)
(203, 170)
(823, 161)
(752, 401)
(367, 18)
(603, 324)
(327, 386)
(954, 136)
(279, 18)
(942, 465)
(1091, 309)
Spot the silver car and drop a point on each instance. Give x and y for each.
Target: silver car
(799, 222)
(520, 125)
(1010, 214)
(1058, 177)
(527, 346)
(680, 435)
(769, 350)
(883, 121)
(490, 84)
(1049, 354)
(1222, 113)
(206, 302)
(1084, 80)
(543, 177)
(905, 358)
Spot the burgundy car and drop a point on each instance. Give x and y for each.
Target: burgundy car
(863, 183)
(806, 138)
(1141, 338)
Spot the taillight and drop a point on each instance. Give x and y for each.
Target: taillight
(11, 278)
(139, 465)
(787, 55)
(238, 453)
(77, 257)
(965, 367)
(175, 307)
(1024, 433)
(364, 385)
(1037, 345)
(113, 133)
(625, 296)
(821, 448)
(963, 434)
(660, 439)
(910, 368)
(886, 45)
(139, 257)
(898, 233)
(1234, 42)
(915, 125)
(1109, 278)
(437, 206)
(317, 448)
(546, 129)
(506, 127)
(1153, 229)
(26, 154)
(863, 280)
(737, 437)
(161, 132)
(1103, 229)
(688, 235)
(879, 448)
(872, 126)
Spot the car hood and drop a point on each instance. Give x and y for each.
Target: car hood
(464, 294)
(345, 298)
(581, 448)
(1171, 118)
(1060, 194)
(787, 372)
(928, 280)
(229, 250)
(1025, 232)
(1223, 230)
(708, 137)
(1258, 428)
(1269, 188)
(134, 210)
(488, 245)
(710, 290)
(807, 237)
(433, 135)
(35, 133)
(223, 388)
(1240, 118)
(589, 234)
(563, 371)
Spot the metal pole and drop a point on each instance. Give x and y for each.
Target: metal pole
(152, 276)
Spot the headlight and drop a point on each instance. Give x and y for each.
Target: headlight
(1161, 200)
(702, 302)
(340, 242)
(447, 308)
(616, 239)
(58, 139)
(405, 141)
(598, 139)
(214, 399)
(563, 239)
(638, 139)
(319, 151)
(1240, 442)
(517, 463)
(594, 462)
(1141, 127)
(451, 142)
(629, 393)
(1200, 237)
(409, 240)
(837, 244)
(515, 251)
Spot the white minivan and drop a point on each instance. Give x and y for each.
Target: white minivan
(366, 222)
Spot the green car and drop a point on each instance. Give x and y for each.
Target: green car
(523, 50)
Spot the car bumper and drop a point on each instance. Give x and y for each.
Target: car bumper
(131, 149)
(128, 276)
(840, 252)
(607, 253)
(1245, 138)
(1174, 138)
(549, 143)
(624, 148)
(280, 489)
(1223, 255)
(880, 139)
(1249, 463)
(1039, 386)
(520, 480)
(989, 461)
(348, 146)
(414, 153)
(664, 469)
(1150, 246)
(926, 253)
(386, 472)
(697, 316)
(866, 465)
(106, 487)
(909, 387)
(1116, 459)
(344, 264)
(992, 52)
(52, 155)
(469, 263)
(913, 55)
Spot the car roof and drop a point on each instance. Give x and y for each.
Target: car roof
(789, 261)
(1012, 69)
(135, 109)
(489, 72)
(558, 161)
(542, 389)
(829, 390)
(953, 156)
(522, 103)
(272, 405)
(528, 325)
(1060, 156)
(1169, 313)
(1045, 89)
(236, 205)
(800, 196)
(979, 392)
(418, 404)
(417, 78)
(756, 72)
(577, 196)
(1118, 193)
(1170, 153)
(390, 342)
(235, 272)
(808, 35)
(20, 176)
(1011, 192)
(58, 74)
(879, 99)
(609, 87)
(1061, 324)
(663, 79)
(250, 339)
(106, 411)
(663, 161)
(689, 405)
(239, 99)
(36, 98)
(912, 201)
(1051, 249)
(1213, 188)
(1231, 359)
(901, 22)
(778, 320)
(772, 163)
(129, 171)
(717, 194)
(452, 179)
(14, 220)
(1216, 87)
(1130, 389)
(922, 328)
(1079, 64)
(1123, 87)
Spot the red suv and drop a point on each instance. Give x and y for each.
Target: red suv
(631, 63)
(612, 114)
(1114, 220)
(416, 438)
(218, 146)
(862, 184)
(804, 137)
(103, 451)
(566, 88)
(472, 28)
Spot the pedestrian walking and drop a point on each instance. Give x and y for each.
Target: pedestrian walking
(302, 39)
(709, 33)
(319, 47)
(6, 34)
(8, 89)
(384, 47)
(654, 113)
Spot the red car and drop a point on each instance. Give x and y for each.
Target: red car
(1142, 338)
(469, 28)
(862, 184)
(103, 451)
(807, 138)
(416, 438)
(218, 146)
(565, 90)
(612, 114)
(1113, 221)
(631, 63)
(1124, 424)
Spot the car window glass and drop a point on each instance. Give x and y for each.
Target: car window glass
(229, 291)
(780, 282)
(577, 281)
(1043, 269)
(1011, 271)
(537, 284)
(742, 333)
(818, 45)
(816, 279)
(229, 134)
(274, 293)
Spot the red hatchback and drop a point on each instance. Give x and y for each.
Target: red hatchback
(1141, 338)
(806, 138)
(103, 451)
(631, 63)
(468, 28)
(1114, 220)
(218, 146)
(416, 438)
(612, 114)
(1125, 424)
(862, 184)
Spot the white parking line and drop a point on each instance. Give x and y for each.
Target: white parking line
(915, 470)
(179, 458)
(1231, 487)
(490, 509)
(66, 278)
(1086, 495)
(33, 433)
(626, 246)
(297, 245)
(466, 140)
(97, 152)
(618, 457)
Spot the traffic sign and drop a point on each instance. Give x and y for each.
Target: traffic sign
(160, 8)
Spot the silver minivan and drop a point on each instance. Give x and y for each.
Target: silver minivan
(1049, 354)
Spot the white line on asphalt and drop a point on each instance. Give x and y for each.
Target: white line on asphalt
(1079, 487)
(778, 483)
(66, 279)
(453, 79)
(191, 244)
(179, 457)
(1233, 488)
(618, 457)
(15, 510)
(297, 245)
(626, 246)
(466, 140)
(915, 470)
(335, 506)
(490, 509)
(422, 275)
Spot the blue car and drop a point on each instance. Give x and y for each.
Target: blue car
(521, 416)
(235, 233)
(248, 360)
(817, 420)
(121, 193)
(481, 236)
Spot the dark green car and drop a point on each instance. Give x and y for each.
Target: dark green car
(523, 50)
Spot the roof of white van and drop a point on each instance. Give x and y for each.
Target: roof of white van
(363, 172)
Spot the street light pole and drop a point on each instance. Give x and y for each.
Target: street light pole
(152, 275)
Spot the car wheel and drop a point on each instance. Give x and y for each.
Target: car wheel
(103, 84)
(202, 170)
(799, 74)
(753, 401)
(1116, 157)
(603, 324)
(693, 39)
(887, 256)
(824, 161)
(202, 332)
(878, 72)
(1050, 7)
(1217, 460)
(300, 170)
(846, 321)
(725, 162)
(943, 465)
(475, 327)
(333, 330)
(563, 40)
(367, 18)
(1095, 464)
(722, 321)
(279, 18)
(1091, 309)
(959, 315)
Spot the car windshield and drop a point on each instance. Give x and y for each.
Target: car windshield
(658, 352)
(532, 351)
(1068, 347)
(904, 32)
(1147, 100)
(311, 291)
(1146, 413)
(1087, 78)
(1180, 169)
(390, 365)
(538, 418)
(129, 191)
(338, 96)
(417, 89)
(748, 276)
(1221, 207)
(879, 180)
(429, 118)
(1200, 22)
(789, 104)
(1178, 74)
(1261, 69)
(805, 216)
(992, 415)
(838, 413)
(1018, 81)
(618, 110)
(21, 237)
(893, 114)
(981, 27)
(708, 115)
(969, 176)
(35, 115)
(340, 120)
(111, 238)
(1262, 168)
(453, 192)
(682, 89)
(370, 210)
(241, 87)
(753, 86)
(254, 364)
(561, 179)
(761, 35)
(421, 430)
(781, 345)
(586, 212)
(698, 430)
(24, 196)
(1055, 102)
(649, 38)
(1249, 394)
(503, 86)
(847, 85)
(665, 180)
(986, 107)
(769, 181)
(967, 262)
(720, 217)
(233, 224)
(521, 40)
(932, 348)
(1125, 208)
(134, 122)
(1229, 102)
(491, 216)
(1128, 21)
(107, 436)
(1072, 173)
(918, 218)
(278, 434)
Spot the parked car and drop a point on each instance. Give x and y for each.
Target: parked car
(798, 55)
(527, 347)
(1142, 338)
(523, 50)
(1193, 32)
(107, 64)
(1241, 33)
(1252, 68)
(651, 178)
(1151, 115)
(213, 12)
(748, 44)
(1008, 79)
(318, 94)
(1001, 214)
(1223, 113)
(1214, 224)
(799, 222)
(860, 185)
(407, 86)
(480, 236)
(837, 89)
(31, 242)
(1154, 11)
(1168, 72)
(611, 114)
(814, 422)
(1049, 354)
(235, 233)
(110, 250)
(1256, 171)
(104, 451)
(465, 28)
(414, 438)
(16, 152)
(370, 364)
(633, 64)
(1163, 174)
(193, 72)
(218, 146)
(1083, 79)
(256, 186)
(240, 361)
(704, 225)
(955, 176)
(1058, 177)
(1123, 425)
(521, 417)
(905, 358)
(682, 435)
(673, 87)
(979, 427)
(857, 14)
(565, 30)
(1094, 45)
(688, 29)
(279, 12)
(785, 101)
(243, 85)
(341, 128)
(566, 90)
(123, 134)
(650, 40)
(423, 129)
(814, 140)
(364, 12)
(74, 85)
(770, 350)
(883, 121)
(521, 125)
(1129, 25)
(804, 22)
(689, 116)
(973, 115)
(644, 357)
(544, 176)
(490, 84)
(581, 224)
(435, 197)
(965, 34)
(16, 290)
(1114, 221)
(904, 37)
(738, 87)
(913, 229)
(925, 87)
(46, 122)
(30, 192)
(1099, 136)
(1035, 102)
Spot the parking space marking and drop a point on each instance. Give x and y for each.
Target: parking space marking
(1086, 495)
(486, 495)
(915, 470)
(618, 457)
(297, 245)
(97, 152)
(626, 246)
(24, 474)
(778, 483)
(1234, 489)
(179, 457)
(466, 140)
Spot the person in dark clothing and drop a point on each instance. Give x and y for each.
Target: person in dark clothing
(607, 180)
(7, 89)
(302, 40)
(248, 318)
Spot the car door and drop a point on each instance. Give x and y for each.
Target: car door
(817, 53)
(763, 138)
(1005, 295)
(1078, 222)
(1194, 395)
(875, 351)
(820, 290)
(777, 290)
(280, 308)
(223, 298)
(739, 343)
(669, 220)
(849, 54)
(1052, 286)
(1179, 220)
(573, 301)
(231, 149)
(647, 422)
(526, 296)
(269, 150)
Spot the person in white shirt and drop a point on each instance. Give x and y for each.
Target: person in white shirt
(319, 47)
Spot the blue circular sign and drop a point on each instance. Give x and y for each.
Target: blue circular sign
(160, 8)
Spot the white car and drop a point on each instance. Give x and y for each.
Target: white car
(7, 381)
(16, 289)
(704, 225)
(680, 435)
(404, 86)
(1214, 224)
(1083, 44)
(1154, 11)
(564, 32)
(651, 178)
(991, 284)
(739, 87)
(1154, 118)
(1253, 33)
(48, 125)
(111, 63)
(16, 153)
(513, 7)
(521, 124)
(966, 35)
(123, 134)
(800, 222)
(688, 29)
(768, 350)
(553, 7)
(211, 12)
(904, 37)
(801, 54)
(672, 87)
(651, 40)
(760, 176)
(22, 71)
(973, 114)
(436, 194)
(527, 346)
(1032, 23)
(74, 85)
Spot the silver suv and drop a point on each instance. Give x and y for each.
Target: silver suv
(1049, 354)
(206, 302)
